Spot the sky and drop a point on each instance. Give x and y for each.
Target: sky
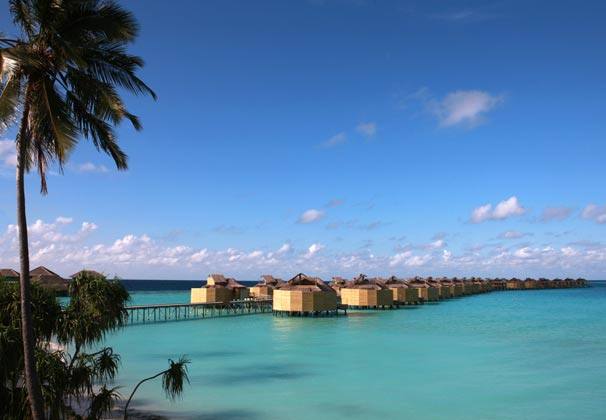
(334, 137)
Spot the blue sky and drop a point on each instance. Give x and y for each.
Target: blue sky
(343, 136)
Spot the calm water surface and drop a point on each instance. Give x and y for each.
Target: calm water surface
(507, 355)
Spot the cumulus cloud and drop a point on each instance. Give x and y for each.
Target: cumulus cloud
(335, 140)
(310, 216)
(595, 213)
(464, 107)
(513, 234)
(367, 129)
(555, 213)
(8, 156)
(313, 250)
(503, 210)
(89, 167)
(285, 248)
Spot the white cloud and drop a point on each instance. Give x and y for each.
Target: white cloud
(446, 254)
(367, 129)
(512, 234)
(463, 107)
(311, 215)
(438, 243)
(407, 258)
(284, 249)
(555, 213)
(89, 167)
(8, 156)
(503, 210)
(335, 140)
(595, 213)
(313, 250)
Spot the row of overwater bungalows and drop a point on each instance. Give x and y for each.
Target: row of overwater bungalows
(311, 295)
(44, 277)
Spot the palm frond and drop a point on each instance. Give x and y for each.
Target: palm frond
(9, 100)
(174, 377)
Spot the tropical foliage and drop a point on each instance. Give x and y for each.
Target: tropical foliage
(70, 369)
(60, 81)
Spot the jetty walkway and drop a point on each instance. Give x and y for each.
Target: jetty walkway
(147, 314)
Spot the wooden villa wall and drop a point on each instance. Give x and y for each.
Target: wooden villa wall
(240, 293)
(366, 297)
(210, 295)
(258, 291)
(433, 294)
(458, 290)
(299, 301)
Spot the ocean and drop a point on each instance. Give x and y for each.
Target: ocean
(538, 354)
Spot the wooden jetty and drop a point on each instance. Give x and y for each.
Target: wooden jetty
(147, 314)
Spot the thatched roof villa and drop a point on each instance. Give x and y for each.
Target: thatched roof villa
(49, 279)
(304, 295)
(426, 292)
(402, 293)
(498, 284)
(266, 286)
(459, 289)
(515, 284)
(219, 289)
(9, 274)
(337, 284)
(365, 293)
(447, 290)
(530, 283)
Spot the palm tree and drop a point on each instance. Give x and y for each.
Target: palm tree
(173, 379)
(60, 80)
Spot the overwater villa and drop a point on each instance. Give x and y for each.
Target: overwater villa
(425, 291)
(337, 284)
(265, 287)
(530, 283)
(515, 284)
(49, 279)
(304, 295)
(442, 291)
(402, 293)
(498, 284)
(9, 274)
(459, 287)
(447, 290)
(365, 293)
(219, 289)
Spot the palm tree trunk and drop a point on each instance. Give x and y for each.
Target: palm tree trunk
(135, 390)
(34, 390)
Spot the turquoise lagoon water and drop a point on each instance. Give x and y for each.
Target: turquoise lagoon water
(504, 355)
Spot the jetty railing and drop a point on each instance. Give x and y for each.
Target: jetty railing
(147, 314)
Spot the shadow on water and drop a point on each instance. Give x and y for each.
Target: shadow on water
(360, 411)
(211, 354)
(255, 374)
(361, 314)
(235, 414)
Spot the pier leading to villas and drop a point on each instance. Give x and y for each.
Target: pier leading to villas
(147, 314)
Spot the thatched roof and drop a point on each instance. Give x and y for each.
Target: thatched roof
(49, 279)
(43, 271)
(362, 282)
(233, 284)
(269, 280)
(216, 279)
(394, 283)
(302, 282)
(92, 273)
(8, 273)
